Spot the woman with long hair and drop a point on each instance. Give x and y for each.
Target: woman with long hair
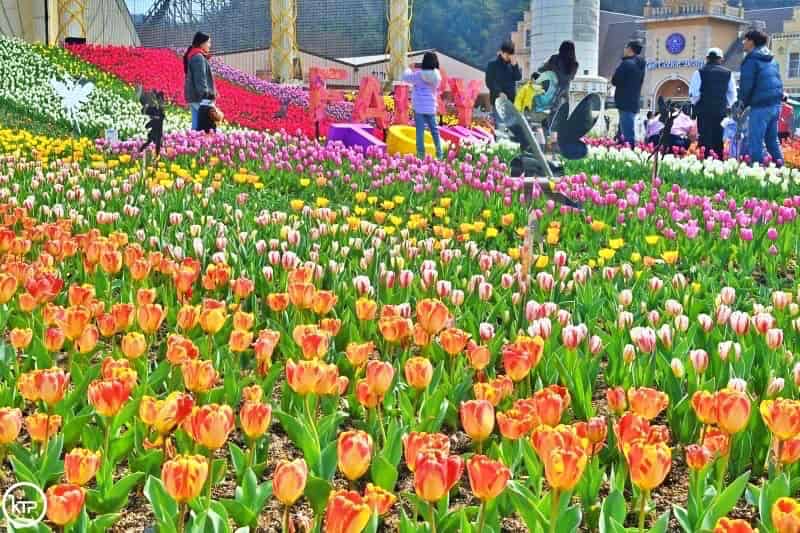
(564, 65)
(198, 87)
(425, 82)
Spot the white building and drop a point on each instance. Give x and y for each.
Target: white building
(555, 21)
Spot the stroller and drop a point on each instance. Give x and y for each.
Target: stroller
(735, 131)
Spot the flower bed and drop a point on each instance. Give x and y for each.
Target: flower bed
(266, 332)
(161, 69)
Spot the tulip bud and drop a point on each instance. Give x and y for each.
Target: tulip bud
(699, 359)
(354, 452)
(775, 386)
(289, 481)
(628, 353)
(677, 368)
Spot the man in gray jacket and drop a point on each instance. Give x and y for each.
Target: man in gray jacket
(198, 88)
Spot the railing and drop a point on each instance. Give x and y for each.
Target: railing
(691, 10)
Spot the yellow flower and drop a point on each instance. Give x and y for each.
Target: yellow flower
(387, 205)
(360, 211)
(652, 239)
(389, 230)
(399, 200)
(447, 233)
(636, 257)
(372, 200)
(479, 225)
(513, 253)
(439, 212)
(445, 202)
(395, 220)
(465, 227)
(696, 287)
(520, 232)
(542, 261)
(305, 182)
(606, 253)
(616, 244)
(486, 214)
(670, 257)
(353, 222)
(124, 158)
(297, 205)
(361, 196)
(491, 233)
(592, 263)
(322, 202)
(598, 225)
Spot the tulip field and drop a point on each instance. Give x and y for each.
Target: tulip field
(262, 332)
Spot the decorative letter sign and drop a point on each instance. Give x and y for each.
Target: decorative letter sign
(369, 103)
(464, 96)
(401, 104)
(318, 94)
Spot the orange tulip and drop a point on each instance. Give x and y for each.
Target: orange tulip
(53, 339)
(698, 457)
(717, 441)
(488, 392)
(704, 404)
(165, 415)
(616, 400)
(243, 321)
(184, 477)
(41, 427)
(785, 515)
(479, 357)
(550, 406)
(323, 302)
(255, 418)
(8, 286)
(242, 287)
(789, 452)
(301, 294)
(415, 443)
(27, 302)
(477, 419)
(180, 349)
(106, 324)
(366, 309)
(487, 478)
(123, 315)
(312, 341)
(358, 353)
(649, 464)
(303, 376)
(418, 372)
(240, 341)
(647, 402)
(80, 465)
(80, 294)
(253, 393)
(354, 453)
(733, 410)
(212, 320)
(521, 356)
(76, 319)
(453, 340)
(331, 326)
(108, 396)
(210, 425)
(421, 337)
(378, 499)
(139, 269)
(88, 340)
(10, 424)
(515, 424)
(379, 376)
(436, 473)
(188, 317)
(545, 439)
(150, 317)
(432, 315)
(146, 297)
(278, 301)
(728, 525)
(199, 375)
(48, 385)
(133, 345)
(782, 417)
(564, 467)
(347, 512)
(20, 338)
(289, 481)
(368, 398)
(395, 329)
(64, 503)
(111, 261)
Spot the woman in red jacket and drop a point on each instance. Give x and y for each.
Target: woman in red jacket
(786, 119)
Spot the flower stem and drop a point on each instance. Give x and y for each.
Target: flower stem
(642, 509)
(380, 423)
(555, 498)
(310, 415)
(433, 519)
(181, 517)
(285, 520)
(482, 517)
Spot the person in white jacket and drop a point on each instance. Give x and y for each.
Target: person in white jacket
(425, 83)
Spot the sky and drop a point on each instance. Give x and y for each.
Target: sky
(139, 6)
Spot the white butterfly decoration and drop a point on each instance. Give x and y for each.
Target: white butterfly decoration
(73, 95)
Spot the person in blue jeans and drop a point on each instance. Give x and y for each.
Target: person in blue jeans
(425, 89)
(761, 89)
(628, 80)
(198, 88)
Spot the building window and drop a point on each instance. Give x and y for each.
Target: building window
(794, 65)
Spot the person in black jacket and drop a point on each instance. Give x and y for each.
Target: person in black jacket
(502, 75)
(712, 91)
(628, 80)
(565, 66)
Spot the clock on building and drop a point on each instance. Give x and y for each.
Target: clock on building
(675, 43)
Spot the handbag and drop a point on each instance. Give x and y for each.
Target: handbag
(215, 115)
